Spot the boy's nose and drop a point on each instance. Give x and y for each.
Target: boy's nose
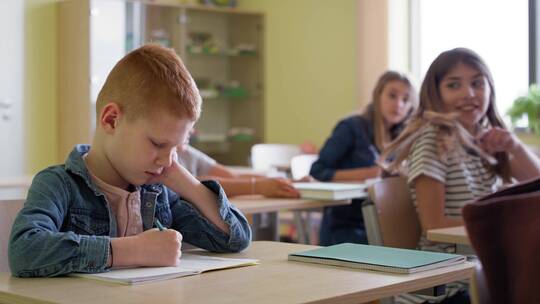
(165, 160)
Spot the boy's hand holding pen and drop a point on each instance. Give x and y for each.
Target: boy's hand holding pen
(154, 247)
(158, 247)
(158, 224)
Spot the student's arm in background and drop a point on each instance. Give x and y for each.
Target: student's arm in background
(206, 168)
(430, 201)
(524, 164)
(241, 184)
(333, 151)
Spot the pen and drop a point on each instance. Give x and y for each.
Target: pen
(158, 224)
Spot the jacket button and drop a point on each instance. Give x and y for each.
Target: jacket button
(148, 204)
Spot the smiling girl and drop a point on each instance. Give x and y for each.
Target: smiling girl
(456, 147)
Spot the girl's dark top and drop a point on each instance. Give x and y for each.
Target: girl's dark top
(351, 146)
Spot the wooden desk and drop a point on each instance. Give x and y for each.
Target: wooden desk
(275, 280)
(251, 204)
(453, 235)
(265, 214)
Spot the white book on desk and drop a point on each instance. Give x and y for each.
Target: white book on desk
(331, 191)
(190, 264)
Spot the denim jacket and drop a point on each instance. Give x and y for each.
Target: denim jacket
(66, 223)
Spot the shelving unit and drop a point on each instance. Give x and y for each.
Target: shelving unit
(222, 48)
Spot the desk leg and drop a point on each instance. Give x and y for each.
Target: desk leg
(265, 227)
(303, 226)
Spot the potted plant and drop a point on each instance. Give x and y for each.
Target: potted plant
(528, 105)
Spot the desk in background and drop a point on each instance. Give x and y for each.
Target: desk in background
(452, 235)
(265, 212)
(275, 280)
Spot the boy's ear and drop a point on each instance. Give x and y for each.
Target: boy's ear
(110, 116)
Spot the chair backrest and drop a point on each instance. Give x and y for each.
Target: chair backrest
(8, 211)
(301, 165)
(478, 289)
(394, 218)
(504, 230)
(270, 156)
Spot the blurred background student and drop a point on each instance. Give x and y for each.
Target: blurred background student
(204, 168)
(350, 153)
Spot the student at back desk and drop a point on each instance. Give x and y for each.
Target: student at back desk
(352, 150)
(204, 167)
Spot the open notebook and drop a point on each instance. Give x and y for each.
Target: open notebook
(190, 264)
(377, 258)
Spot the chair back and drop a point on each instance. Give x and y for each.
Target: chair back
(394, 215)
(478, 286)
(301, 165)
(8, 211)
(504, 230)
(266, 157)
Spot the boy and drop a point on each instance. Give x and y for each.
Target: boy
(97, 210)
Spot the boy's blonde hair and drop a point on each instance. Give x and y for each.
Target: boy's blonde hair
(149, 78)
(430, 101)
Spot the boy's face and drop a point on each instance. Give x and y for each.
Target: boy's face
(141, 149)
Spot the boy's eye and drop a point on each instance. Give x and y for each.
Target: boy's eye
(157, 145)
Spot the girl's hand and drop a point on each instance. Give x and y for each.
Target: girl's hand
(498, 140)
(275, 187)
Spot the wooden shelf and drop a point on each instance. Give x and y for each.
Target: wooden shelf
(94, 35)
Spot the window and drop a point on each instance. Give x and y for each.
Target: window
(497, 30)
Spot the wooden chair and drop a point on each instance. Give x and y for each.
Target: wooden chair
(391, 220)
(504, 230)
(390, 216)
(275, 160)
(478, 289)
(8, 211)
(301, 165)
(267, 157)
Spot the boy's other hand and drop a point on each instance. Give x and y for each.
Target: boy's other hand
(159, 248)
(275, 187)
(168, 175)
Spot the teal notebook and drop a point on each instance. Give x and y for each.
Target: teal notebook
(377, 258)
